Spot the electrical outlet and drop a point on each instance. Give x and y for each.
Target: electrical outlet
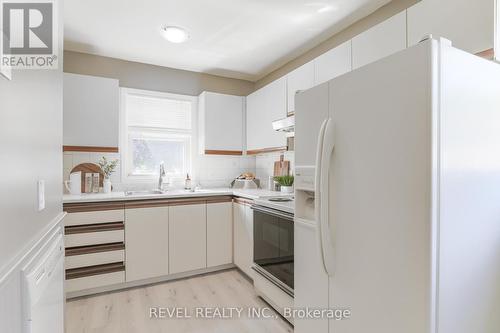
(41, 195)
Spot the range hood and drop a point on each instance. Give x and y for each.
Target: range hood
(286, 125)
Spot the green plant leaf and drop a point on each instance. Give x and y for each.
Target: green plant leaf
(284, 180)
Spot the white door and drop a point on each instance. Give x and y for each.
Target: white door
(310, 278)
(301, 78)
(263, 107)
(468, 24)
(187, 238)
(377, 191)
(333, 63)
(146, 239)
(380, 41)
(312, 110)
(219, 233)
(243, 238)
(221, 122)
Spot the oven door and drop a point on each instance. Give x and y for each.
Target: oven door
(273, 246)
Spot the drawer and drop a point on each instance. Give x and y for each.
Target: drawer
(92, 259)
(105, 216)
(94, 281)
(94, 238)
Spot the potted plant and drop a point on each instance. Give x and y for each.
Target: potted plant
(107, 167)
(286, 183)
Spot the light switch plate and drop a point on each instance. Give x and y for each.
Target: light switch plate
(41, 195)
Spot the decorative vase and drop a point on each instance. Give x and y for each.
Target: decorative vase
(106, 185)
(286, 189)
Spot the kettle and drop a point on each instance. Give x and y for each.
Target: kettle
(74, 184)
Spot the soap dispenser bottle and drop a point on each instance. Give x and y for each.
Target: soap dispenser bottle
(187, 183)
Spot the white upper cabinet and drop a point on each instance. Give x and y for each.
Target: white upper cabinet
(380, 41)
(221, 123)
(90, 111)
(301, 78)
(333, 63)
(469, 24)
(263, 107)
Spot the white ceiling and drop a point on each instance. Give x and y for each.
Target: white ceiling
(243, 39)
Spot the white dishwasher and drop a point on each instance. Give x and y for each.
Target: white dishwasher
(43, 289)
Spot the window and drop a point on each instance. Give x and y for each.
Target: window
(156, 128)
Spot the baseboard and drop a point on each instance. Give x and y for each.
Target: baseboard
(145, 282)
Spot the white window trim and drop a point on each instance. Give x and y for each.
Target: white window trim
(126, 178)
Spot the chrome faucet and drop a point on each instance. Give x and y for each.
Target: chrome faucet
(162, 175)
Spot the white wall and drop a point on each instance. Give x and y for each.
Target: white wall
(30, 146)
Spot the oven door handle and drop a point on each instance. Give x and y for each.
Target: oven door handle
(272, 212)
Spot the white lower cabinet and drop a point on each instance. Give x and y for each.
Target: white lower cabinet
(147, 240)
(219, 234)
(243, 237)
(187, 238)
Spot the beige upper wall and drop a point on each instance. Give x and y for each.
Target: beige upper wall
(364, 24)
(149, 77)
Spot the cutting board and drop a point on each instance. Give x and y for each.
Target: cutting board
(89, 168)
(281, 168)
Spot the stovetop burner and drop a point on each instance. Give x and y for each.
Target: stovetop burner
(280, 199)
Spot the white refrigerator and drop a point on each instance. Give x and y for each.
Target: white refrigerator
(398, 195)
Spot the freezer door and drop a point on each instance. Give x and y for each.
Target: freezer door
(311, 109)
(379, 195)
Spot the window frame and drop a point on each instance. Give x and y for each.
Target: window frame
(126, 175)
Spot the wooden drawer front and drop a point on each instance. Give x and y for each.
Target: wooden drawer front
(94, 238)
(94, 281)
(93, 259)
(105, 216)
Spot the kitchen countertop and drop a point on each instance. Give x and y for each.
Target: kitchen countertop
(120, 196)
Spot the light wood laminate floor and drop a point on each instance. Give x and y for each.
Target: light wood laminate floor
(129, 310)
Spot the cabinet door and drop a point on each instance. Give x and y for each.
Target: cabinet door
(263, 107)
(91, 111)
(333, 63)
(221, 122)
(146, 243)
(243, 238)
(238, 234)
(187, 238)
(380, 41)
(219, 234)
(301, 78)
(468, 24)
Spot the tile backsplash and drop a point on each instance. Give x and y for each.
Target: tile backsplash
(209, 170)
(264, 165)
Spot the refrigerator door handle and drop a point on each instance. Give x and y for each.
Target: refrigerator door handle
(317, 192)
(324, 187)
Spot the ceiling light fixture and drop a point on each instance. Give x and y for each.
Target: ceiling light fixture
(174, 34)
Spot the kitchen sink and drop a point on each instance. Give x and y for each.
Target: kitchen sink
(146, 192)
